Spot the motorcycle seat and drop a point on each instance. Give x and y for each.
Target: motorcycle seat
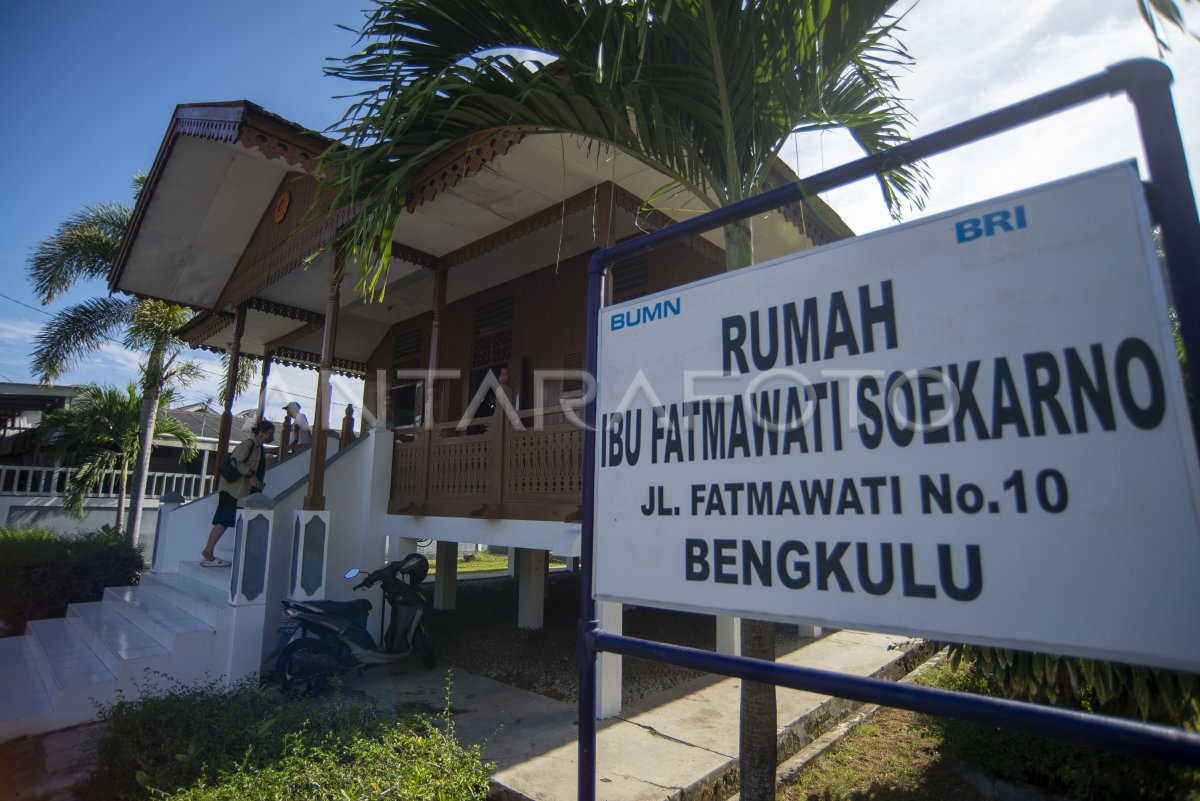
(353, 611)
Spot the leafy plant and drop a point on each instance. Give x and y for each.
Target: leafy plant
(203, 741)
(41, 571)
(1080, 773)
(1131, 691)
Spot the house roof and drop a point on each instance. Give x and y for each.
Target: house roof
(492, 213)
(17, 399)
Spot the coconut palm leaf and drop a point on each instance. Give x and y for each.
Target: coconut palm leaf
(77, 331)
(100, 432)
(704, 91)
(83, 247)
(1166, 11)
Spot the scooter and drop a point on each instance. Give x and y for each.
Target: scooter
(333, 634)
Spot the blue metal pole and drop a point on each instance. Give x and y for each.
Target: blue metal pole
(588, 625)
(1109, 82)
(1142, 739)
(1147, 83)
(1170, 195)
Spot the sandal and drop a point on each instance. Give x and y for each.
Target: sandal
(215, 562)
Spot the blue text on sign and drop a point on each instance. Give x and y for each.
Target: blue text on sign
(990, 224)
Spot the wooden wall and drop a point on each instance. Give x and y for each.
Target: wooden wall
(548, 328)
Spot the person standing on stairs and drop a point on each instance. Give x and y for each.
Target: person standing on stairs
(250, 461)
(301, 430)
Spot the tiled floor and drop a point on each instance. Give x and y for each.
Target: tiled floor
(100, 623)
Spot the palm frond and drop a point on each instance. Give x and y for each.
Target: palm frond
(84, 246)
(1169, 13)
(75, 332)
(705, 92)
(165, 426)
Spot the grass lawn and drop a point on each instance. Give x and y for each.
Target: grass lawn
(903, 756)
(483, 562)
(892, 756)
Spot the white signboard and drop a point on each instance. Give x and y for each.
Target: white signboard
(969, 428)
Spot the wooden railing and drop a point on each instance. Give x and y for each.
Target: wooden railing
(491, 468)
(50, 481)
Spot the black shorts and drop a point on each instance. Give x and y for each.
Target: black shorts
(226, 514)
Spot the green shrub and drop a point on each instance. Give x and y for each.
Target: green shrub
(205, 742)
(1131, 691)
(413, 761)
(1074, 771)
(41, 572)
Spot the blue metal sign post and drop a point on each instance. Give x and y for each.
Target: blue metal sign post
(1147, 84)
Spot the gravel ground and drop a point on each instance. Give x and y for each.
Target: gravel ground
(481, 637)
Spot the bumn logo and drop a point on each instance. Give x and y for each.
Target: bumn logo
(644, 314)
(989, 224)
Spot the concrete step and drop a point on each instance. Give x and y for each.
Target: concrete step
(200, 600)
(216, 577)
(116, 640)
(23, 692)
(154, 614)
(64, 659)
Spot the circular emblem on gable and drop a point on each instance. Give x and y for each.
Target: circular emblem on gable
(281, 205)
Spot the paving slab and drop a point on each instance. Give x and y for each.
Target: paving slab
(679, 745)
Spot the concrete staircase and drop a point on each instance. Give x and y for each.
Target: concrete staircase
(163, 629)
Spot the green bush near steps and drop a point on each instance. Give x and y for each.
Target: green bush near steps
(203, 742)
(42, 571)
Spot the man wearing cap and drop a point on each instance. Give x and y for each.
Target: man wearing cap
(301, 432)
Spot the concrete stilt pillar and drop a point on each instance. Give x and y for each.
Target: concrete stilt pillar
(610, 615)
(809, 631)
(729, 635)
(531, 588)
(445, 580)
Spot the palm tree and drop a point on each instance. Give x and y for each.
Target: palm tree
(706, 92)
(84, 247)
(102, 430)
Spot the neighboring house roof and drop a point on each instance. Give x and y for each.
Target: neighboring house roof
(206, 424)
(18, 399)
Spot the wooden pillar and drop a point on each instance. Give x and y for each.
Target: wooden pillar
(262, 387)
(605, 231)
(427, 413)
(315, 500)
(435, 325)
(235, 357)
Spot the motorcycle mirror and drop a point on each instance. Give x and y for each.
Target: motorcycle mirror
(352, 572)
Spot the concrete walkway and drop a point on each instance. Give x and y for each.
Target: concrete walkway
(679, 745)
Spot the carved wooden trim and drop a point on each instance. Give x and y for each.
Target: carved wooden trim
(457, 163)
(656, 220)
(218, 130)
(275, 146)
(414, 256)
(527, 226)
(284, 310)
(308, 360)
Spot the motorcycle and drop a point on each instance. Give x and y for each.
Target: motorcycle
(333, 634)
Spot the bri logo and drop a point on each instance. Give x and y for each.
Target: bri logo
(644, 314)
(990, 224)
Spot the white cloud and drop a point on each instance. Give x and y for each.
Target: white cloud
(974, 57)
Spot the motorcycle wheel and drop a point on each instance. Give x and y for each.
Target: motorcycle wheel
(423, 647)
(294, 677)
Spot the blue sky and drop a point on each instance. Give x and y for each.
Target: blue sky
(89, 88)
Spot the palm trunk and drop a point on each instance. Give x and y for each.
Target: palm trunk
(152, 382)
(758, 747)
(121, 494)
